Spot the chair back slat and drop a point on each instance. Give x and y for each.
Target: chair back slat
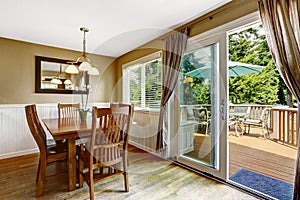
(36, 130)
(39, 125)
(68, 110)
(110, 129)
(265, 115)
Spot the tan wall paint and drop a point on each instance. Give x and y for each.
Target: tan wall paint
(17, 73)
(18, 69)
(233, 12)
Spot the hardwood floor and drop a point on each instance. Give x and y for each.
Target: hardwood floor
(149, 177)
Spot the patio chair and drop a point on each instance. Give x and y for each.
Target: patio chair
(190, 113)
(201, 118)
(263, 122)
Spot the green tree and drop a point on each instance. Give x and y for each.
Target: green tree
(250, 46)
(247, 46)
(196, 92)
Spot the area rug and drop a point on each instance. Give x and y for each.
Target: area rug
(267, 185)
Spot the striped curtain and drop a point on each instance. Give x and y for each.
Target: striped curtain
(280, 19)
(172, 57)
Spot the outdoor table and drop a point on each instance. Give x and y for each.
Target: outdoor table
(239, 119)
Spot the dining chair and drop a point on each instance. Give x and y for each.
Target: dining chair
(263, 122)
(48, 154)
(107, 148)
(68, 110)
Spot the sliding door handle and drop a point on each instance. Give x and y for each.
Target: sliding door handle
(223, 109)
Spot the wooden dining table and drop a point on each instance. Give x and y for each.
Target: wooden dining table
(70, 130)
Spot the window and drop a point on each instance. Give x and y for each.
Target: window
(142, 82)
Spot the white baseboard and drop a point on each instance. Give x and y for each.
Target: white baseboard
(18, 153)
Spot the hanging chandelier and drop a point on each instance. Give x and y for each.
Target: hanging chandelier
(85, 64)
(56, 80)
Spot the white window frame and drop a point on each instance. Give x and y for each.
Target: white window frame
(126, 86)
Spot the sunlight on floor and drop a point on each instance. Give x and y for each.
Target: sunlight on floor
(257, 141)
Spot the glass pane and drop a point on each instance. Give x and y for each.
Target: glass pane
(196, 139)
(153, 84)
(135, 86)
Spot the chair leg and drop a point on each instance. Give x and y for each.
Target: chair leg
(262, 130)
(125, 173)
(126, 182)
(91, 185)
(267, 130)
(38, 171)
(80, 170)
(248, 129)
(40, 179)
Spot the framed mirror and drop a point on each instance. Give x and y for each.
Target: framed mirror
(50, 76)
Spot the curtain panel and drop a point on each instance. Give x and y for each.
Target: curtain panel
(171, 61)
(280, 19)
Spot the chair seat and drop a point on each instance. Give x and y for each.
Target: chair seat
(51, 142)
(252, 122)
(55, 149)
(263, 122)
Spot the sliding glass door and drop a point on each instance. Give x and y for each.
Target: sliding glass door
(200, 140)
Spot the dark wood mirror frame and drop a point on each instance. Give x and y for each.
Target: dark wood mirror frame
(38, 78)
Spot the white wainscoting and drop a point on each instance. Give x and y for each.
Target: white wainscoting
(144, 130)
(16, 139)
(15, 136)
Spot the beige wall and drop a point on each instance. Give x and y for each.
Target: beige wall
(17, 73)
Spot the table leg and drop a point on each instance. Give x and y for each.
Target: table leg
(72, 164)
(236, 129)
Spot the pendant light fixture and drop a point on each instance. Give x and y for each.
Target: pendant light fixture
(85, 61)
(68, 82)
(56, 80)
(72, 69)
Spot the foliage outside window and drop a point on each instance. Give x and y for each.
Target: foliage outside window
(250, 46)
(247, 46)
(142, 83)
(198, 90)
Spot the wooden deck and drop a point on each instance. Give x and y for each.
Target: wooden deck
(252, 152)
(266, 157)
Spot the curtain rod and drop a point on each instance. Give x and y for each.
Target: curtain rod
(209, 17)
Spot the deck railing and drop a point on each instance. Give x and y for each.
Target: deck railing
(283, 121)
(286, 120)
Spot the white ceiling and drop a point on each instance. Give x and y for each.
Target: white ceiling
(116, 26)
